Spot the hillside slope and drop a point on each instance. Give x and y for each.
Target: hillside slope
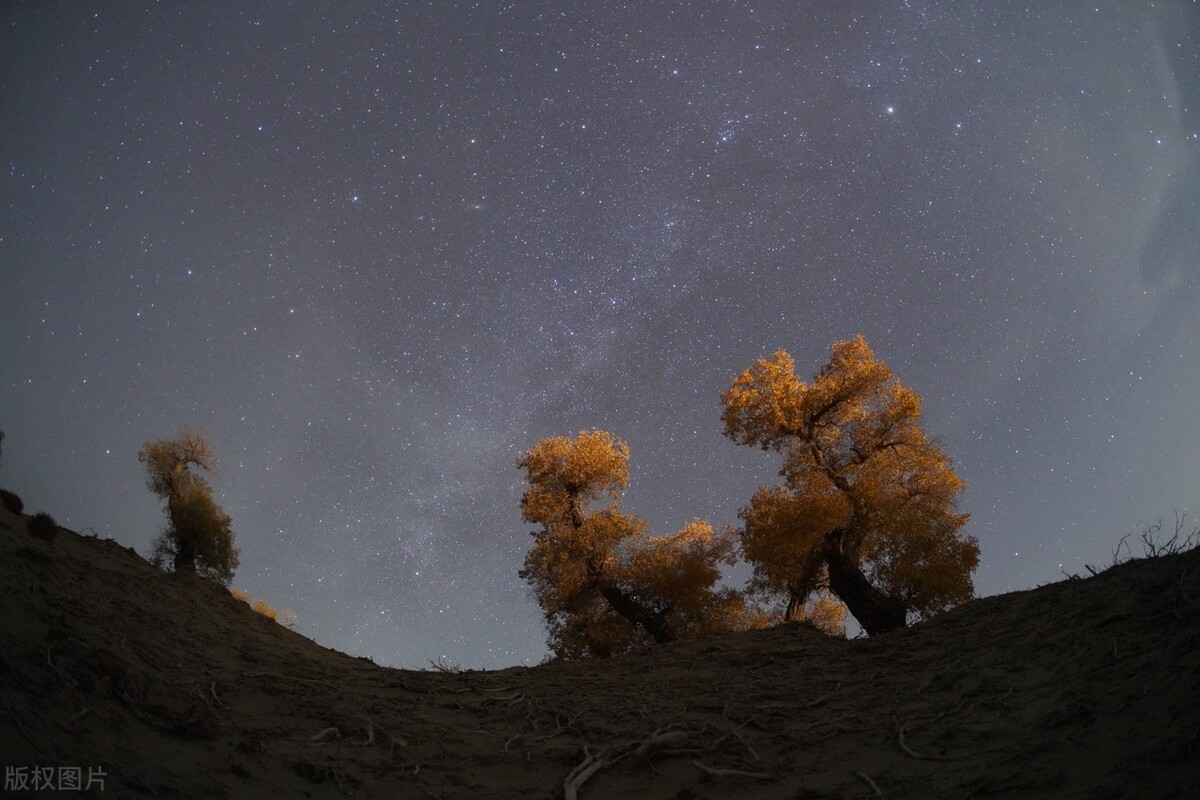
(1086, 688)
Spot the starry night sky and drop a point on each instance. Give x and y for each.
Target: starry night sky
(375, 250)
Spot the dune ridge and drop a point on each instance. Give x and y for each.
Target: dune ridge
(169, 687)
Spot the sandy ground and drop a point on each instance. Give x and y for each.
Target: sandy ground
(171, 688)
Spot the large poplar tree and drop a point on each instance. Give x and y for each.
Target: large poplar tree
(867, 506)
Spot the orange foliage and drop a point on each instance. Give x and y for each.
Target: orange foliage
(198, 537)
(566, 475)
(606, 585)
(865, 493)
(285, 618)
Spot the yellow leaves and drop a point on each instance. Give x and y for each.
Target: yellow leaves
(858, 467)
(929, 568)
(607, 585)
(594, 461)
(782, 530)
(763, 404)
(768, 406)
(567, 560)
(844, 389)
(855, 422)
(904, 404)
(569, 474)
(677, 569)
(853, 363)
(285, 618)
(169, 462)
(199, 532)
(866, 498)
(825, 613)
(542, 506)
(593, 630)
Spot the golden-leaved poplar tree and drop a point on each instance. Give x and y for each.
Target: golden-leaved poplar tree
(606, 585)
(867, 506)
(197, 538)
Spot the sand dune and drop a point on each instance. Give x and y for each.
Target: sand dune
(162, 687)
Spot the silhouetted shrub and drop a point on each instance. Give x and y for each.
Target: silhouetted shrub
(43, 526)
(11, 501)
(1157, 540)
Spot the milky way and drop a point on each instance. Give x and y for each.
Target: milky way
(376, 250)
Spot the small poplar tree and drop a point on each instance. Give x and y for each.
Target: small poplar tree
(606, 585)
(197, 538)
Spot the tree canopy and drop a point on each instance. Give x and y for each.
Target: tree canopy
(864, 522)
(867, 506)
(198, 538)
(606, 585)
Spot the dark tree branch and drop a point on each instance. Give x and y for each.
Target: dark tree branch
(652, 622)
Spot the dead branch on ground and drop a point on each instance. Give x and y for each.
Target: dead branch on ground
(731, 773)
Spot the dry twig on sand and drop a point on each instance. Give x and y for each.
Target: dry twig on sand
(659, 741)
(330, 734)
(367, 742)
(731, 773)
(592, 764)
(735, 731)
(210, 698)
(867, 779)
(585, 769)
(396, 740)
(824, 697)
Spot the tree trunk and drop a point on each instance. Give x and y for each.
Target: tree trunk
(653, 623)
(185, 555)
(809, 578)
(795, 606)
(185, 546)
(875, 611)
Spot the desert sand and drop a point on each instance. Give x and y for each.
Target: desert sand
(161, 686)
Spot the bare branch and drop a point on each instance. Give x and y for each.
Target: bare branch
(731, 773)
